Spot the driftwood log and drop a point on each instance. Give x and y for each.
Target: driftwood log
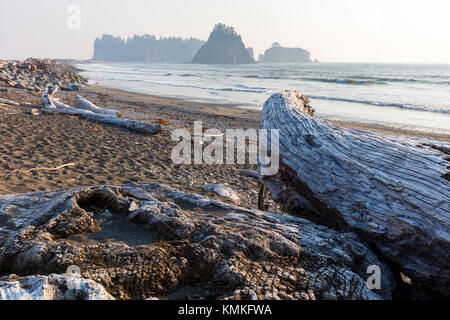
(8, 82)
(394, 192)
(147, 241)
(82, 103)
(8, 102)
(91, 112)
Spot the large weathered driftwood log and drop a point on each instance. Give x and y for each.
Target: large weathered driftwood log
(392, 191)
(51, 104)
(152, 241)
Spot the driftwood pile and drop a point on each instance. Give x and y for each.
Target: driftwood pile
(34, 75)
(393, 192)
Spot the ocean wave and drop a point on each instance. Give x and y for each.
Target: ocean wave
(374, 80)
(330, 80)
(238, 90)
(195, 87)
(353, 80)
(327, 80)
(248, 87)
(253, 76)
(262, 90)
(386, 104)
(188, 75)
(409, 80)
(349, 79)
(343, 81)
(378, 80)
(131, 72)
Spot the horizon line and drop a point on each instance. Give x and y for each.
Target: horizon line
(319, 61)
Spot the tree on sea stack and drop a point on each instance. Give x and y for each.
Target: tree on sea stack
(224, 46)
(392, 191)
(279, 54)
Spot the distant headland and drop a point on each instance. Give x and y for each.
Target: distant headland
(224, 46)
(145, 48)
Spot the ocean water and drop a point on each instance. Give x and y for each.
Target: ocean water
(405, 96)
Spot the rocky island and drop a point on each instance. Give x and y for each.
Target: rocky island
(224, 46)
(279, 54)
(146, 48)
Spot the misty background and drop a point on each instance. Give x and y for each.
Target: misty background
(333, 31)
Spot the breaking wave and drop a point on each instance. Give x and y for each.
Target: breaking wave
(385, 104)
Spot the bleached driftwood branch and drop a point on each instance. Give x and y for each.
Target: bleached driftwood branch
(41, 169)
(8, 82)
(51, 104)
(9, 102)
(392, 191)
(82, 103)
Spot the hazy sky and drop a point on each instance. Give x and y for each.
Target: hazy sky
(332, 30)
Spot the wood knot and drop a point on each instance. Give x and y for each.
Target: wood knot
(312, 141)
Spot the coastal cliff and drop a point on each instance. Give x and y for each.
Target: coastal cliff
(279, 54)
(224, 46)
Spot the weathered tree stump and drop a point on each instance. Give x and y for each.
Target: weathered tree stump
(393, 192)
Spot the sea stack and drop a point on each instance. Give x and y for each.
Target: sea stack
(279, 54)
(224, 46)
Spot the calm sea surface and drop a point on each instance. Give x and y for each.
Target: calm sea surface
(404, 96)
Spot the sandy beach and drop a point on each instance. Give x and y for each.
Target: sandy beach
(103, 169)
(109, 155)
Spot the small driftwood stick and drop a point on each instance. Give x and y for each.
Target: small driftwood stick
(9, 102)
(262, 197)
(41, 169)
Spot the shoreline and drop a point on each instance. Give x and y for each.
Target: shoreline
(246, 114)
(109, 155)
(368, 101)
